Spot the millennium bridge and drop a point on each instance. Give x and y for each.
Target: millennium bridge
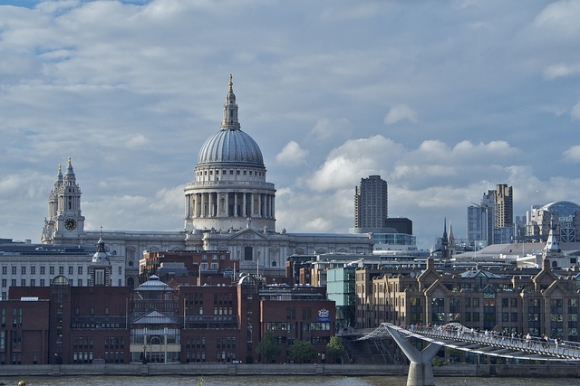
(459, 337)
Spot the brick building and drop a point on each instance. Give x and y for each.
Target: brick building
(160, 323)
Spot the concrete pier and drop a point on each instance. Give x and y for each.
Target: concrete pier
(420, 369)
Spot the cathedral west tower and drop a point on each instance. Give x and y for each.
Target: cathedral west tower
(64, 220)
(230, 191)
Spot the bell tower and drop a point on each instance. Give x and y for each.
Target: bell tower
(64, 224)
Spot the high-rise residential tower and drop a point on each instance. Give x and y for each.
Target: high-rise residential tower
(371, 203)
(492, 222)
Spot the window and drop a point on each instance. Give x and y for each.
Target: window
(80, 282)
(23, 270)
(61, 270)
(4, 283)
(51, 270)
(32, 282)
(22, 282)
(42, 282)
(70, 270)
(42, 270)
(33, 270)
(14, 270)
(99, 277)
(80, 270)
(4, 270)
(248, 253)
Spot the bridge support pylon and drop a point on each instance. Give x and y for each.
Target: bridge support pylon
(420, 369)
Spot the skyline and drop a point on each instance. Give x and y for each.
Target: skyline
(443, 100)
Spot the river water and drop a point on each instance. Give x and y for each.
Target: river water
(281, 381)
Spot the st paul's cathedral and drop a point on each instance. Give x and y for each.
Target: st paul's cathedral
(229, 206)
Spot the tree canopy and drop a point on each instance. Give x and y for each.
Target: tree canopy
(268, 348)
(302, 351)
(334, 348)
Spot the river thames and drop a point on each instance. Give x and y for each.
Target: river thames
(281, 381)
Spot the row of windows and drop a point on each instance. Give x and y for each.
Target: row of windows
(16, 317)
(196, 342)
(306, 327)
(556, 305)
(52, 269)
(213, 257)
(226, 342)
(225, 172)
(291, 313)
(15, 340)
(42, 283)
(206, 266)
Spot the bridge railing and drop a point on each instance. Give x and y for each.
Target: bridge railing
(529, 344)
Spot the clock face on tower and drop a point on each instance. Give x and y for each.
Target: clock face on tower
(70, 223)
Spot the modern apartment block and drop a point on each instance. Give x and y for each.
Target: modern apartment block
(492, 221)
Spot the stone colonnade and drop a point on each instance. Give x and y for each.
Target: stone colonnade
(230, 204)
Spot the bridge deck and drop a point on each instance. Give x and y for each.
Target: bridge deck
(461, 338)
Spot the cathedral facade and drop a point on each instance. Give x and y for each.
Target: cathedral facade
(229, 206)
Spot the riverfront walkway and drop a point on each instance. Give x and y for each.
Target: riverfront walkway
(457, 336)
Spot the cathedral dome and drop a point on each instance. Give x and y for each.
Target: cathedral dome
(230, 146)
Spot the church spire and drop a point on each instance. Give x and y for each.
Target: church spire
(59, 175)
(69, 168)
(230, 121)
(552, 244)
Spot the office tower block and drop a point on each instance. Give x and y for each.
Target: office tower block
(371, 203)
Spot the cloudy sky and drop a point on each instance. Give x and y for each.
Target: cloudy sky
(443, 99)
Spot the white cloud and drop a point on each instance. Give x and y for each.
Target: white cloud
(559, 70)
(561, 16)
(292, 154)
(400, 112)
(131, 90)
(572, 154)
(345, 165)
(137, 141)
(575, 113)
(325, 129)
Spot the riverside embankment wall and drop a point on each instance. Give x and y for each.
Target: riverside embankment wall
(483, 370)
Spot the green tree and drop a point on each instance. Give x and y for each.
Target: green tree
(302, 351)
(334, 348)
(268, 348)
